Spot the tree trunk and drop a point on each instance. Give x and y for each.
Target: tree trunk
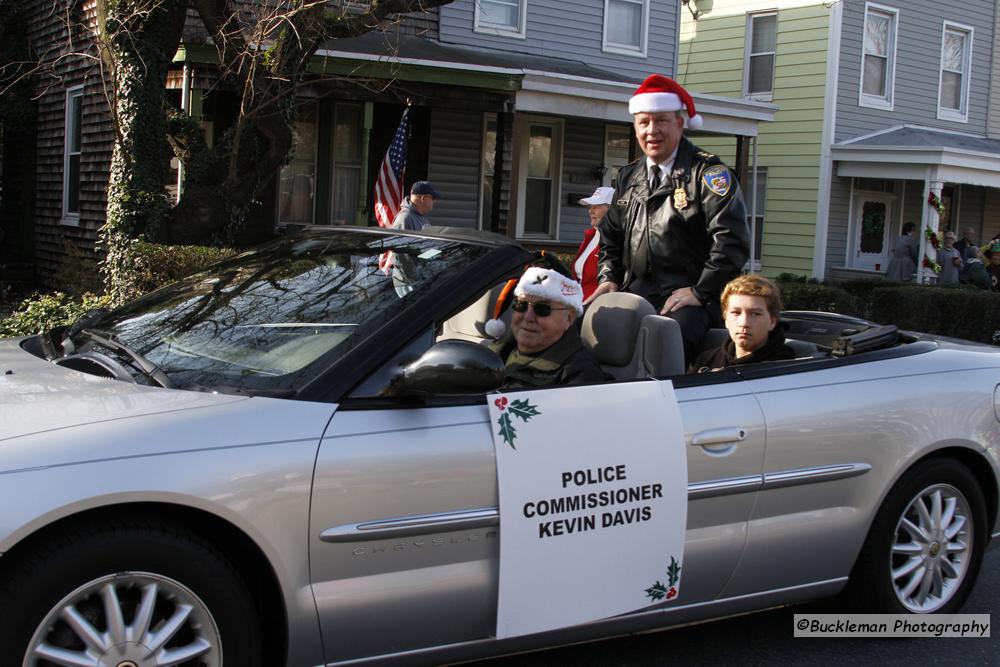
(137, 40)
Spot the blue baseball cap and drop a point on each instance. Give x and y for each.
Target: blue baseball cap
(424, 188)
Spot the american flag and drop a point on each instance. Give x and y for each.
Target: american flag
(389, 184)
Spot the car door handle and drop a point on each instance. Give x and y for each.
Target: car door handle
(718, 436)
(719, 441)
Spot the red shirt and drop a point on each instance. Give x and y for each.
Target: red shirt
(585, 264)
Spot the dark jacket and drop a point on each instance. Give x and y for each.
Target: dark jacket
(724, 356)
(974, 273)
(565, 362)
(702, 242)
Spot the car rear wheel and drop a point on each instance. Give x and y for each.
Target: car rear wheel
(127, 594)
(924, 549)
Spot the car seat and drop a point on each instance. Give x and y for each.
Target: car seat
(470, 322)
(717, 337)
(630, 340)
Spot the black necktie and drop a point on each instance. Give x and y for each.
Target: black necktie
(654, 182)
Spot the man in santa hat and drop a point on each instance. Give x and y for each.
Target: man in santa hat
(545, 347)
(677, 229)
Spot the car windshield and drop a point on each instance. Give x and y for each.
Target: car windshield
(255, 322)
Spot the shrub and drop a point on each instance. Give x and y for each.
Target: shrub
(42, 312)
(802, 295)
(152, 265)
(972, 314)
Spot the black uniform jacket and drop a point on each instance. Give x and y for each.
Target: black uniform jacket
(699, 239)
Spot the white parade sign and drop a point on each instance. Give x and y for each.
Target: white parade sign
(593, 503)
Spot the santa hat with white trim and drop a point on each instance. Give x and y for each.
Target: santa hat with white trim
(659, 93)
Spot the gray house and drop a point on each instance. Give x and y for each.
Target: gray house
(917, 91)
(518, 108)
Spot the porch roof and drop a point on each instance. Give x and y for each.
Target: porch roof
(538, 84)
(923, 154)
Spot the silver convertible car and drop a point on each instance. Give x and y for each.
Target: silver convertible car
(289, 459)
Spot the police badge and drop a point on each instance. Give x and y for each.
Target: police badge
(717, 179)
(680, 199)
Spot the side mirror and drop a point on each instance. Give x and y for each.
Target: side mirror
(452, 367)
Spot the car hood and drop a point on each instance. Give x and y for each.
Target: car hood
(37, 395)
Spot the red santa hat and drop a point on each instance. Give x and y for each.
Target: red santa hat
(659, 93)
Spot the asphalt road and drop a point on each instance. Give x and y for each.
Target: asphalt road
(766, 639)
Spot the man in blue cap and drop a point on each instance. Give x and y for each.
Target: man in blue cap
(413, 213)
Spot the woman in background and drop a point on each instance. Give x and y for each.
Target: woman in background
(585, 264)
(903, 263)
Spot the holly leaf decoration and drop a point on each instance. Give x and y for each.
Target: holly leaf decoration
(507, 430)
(521, 408)
(673, 572)
(656, 592)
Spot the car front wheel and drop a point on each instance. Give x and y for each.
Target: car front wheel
(127, 594)
(923, 550)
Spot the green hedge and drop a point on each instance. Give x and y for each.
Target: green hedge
(151, 267)
(960, 311)
(42, 312)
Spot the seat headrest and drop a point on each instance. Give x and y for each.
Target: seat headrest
(611, 325)
(472, 320)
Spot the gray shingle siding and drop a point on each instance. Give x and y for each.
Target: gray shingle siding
(972, 201)
(570, 30)
(455, 166)
(583, 152)
(917, 66)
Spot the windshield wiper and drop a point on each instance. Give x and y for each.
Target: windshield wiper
(148, 368)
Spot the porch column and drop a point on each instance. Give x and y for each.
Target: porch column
(361, 210)
(929, 219)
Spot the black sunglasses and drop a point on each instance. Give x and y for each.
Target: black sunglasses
(541, 309)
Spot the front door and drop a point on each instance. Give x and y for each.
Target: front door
(872, 219)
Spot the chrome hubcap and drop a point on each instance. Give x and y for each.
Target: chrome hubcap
(931, 548)
(132, 619)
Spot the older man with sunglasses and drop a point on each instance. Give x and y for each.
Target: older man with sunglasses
(545, 348)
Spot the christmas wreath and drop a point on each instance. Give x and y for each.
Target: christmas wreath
(931, 264)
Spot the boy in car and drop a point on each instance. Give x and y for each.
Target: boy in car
(751, 307)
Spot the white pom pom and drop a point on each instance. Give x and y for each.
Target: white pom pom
(495, 328)
(695, 121)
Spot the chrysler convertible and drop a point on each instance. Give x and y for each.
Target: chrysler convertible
(289, 459)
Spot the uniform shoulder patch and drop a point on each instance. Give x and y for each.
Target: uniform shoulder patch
(717, 179)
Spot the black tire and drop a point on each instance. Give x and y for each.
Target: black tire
(881, 579)
(159, 561)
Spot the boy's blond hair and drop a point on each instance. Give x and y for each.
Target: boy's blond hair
(753, 285)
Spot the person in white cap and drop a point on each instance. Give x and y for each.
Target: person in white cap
(545, 348)
(585, 265)
(677, 230)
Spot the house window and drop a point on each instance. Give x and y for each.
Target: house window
(616, 151)
(346, 172)
(878, 57)
(487, 169)
(539, 182)
(501, 17)
(297, 189)
(757, 187)
(626, 24)
(762, 32)
(71, 156)
(956, 58)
